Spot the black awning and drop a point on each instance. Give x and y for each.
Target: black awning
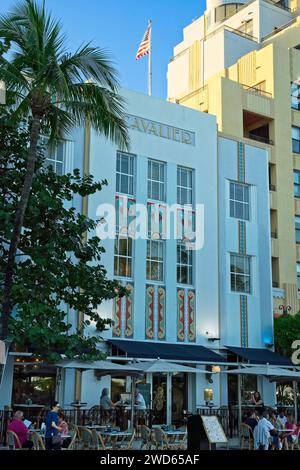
(151, 350)
(260, 356)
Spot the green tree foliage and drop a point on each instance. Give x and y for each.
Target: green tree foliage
(56, 90)
(56, 265)
(286, 331)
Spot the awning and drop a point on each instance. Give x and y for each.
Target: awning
(177, 352)
(260, 356)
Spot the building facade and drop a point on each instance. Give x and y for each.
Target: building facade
(248, 54)
(194, 293)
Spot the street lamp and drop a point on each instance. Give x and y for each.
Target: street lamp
(285, 309)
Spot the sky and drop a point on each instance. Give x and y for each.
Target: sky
(119, 25)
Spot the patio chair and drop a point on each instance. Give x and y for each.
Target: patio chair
(86, 438)
(72, 445)
(74, 429)
(146, 437)
(246, 436)
(179, 442)
(98, 441)
(12, 440)
(38, 443)
(160, 439)
(125, 443)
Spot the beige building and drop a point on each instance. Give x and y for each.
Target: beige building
(241, 62)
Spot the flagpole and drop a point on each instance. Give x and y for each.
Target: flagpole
(150, 61)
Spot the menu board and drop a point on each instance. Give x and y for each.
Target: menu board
(213, 429)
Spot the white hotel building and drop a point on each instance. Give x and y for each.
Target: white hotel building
(198, 307)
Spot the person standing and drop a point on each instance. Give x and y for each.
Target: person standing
(139, 401)
(52, 437)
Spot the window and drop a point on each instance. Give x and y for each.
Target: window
(125, 173)
(123, 257)
(247, 28)
(239, 201)
(223, 12)
(155, 260)
(56, 159)
(184, 186)
(156, 180)
(240, 274)
(298, 276)
(296, 139)
(297, 228)
(296, 183)
(295, 95)
(184, 265)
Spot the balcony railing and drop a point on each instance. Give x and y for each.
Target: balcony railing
(263, 140)
(274, 234)
(272, 187)
(257, 91)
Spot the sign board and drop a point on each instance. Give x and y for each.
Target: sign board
(214, 430)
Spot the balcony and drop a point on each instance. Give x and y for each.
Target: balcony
(258, 101)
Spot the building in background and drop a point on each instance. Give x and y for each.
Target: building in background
(241, 63)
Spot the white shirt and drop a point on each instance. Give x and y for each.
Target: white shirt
(281, 421)
(140, 402)
(261, 433)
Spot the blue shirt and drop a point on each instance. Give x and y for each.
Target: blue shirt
(50, 418)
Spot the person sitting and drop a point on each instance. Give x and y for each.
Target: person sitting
(291, 436)
(281, 419)
(256, 399)
(251, 419)
(262, 432)
(64, 434)
(19, 428)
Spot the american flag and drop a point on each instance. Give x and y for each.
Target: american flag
(145, 44)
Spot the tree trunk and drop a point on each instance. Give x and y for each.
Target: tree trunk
(17, 228)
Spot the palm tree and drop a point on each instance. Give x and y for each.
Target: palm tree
(55, 90)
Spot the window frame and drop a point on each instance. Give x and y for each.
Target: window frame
(296, 142)
(233, 201)
(128, 257)
(296, 184)
(131, 177)
(52, 160)
(297, 86)
(151, 181)
(181, 188)
(297, 230)
(189, 265)
(152, 262)
(244, 275)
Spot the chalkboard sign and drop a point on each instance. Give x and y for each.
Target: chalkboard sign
(145, 390)
(214, 430)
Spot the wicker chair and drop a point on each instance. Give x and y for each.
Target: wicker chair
(38, 443)
(246, 436)
(72, 445)
(86, 438)
(146, 437)
(160, 439)
(12, 440)
(126, 442)
(98, 442)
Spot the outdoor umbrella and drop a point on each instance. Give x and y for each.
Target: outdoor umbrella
(103, 368)
(162, 366)
(107, 368)
(272, 372)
